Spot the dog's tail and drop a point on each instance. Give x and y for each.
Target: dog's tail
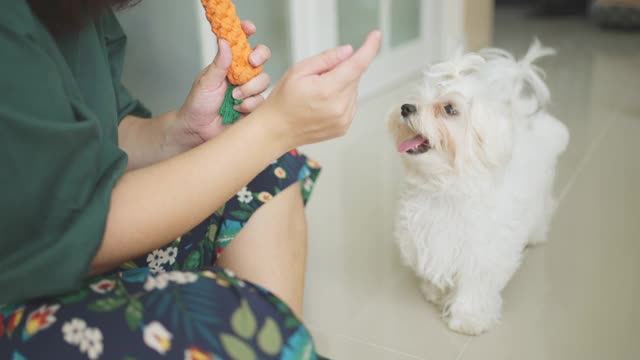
(535, 52)
(520, 80)
(533, 86)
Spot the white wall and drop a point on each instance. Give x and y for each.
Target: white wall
(164, 52)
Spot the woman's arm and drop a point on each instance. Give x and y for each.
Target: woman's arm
(314, 101)
(154, 205)
(145, 140)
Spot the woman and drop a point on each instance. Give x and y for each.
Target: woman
(95, 194)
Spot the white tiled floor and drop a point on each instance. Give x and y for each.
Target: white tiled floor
(574, 298)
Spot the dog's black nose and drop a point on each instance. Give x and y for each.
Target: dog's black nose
(408, 109)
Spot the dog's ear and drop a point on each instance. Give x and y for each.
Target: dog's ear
(489, 138)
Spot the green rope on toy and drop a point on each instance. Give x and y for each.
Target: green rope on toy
(228, 113)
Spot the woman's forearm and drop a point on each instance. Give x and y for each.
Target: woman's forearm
(145, 140)
(154, 205)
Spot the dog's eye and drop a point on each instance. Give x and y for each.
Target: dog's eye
(450, 110)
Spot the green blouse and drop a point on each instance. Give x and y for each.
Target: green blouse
(61, 101)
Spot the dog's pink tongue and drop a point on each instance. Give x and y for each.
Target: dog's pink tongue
(410, 144)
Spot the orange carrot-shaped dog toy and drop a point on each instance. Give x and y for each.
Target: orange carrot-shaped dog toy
(226, 25)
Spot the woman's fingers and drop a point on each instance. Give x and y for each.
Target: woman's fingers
(249, 105)
(260, 55)
(354, 67)
(248, 27)
(255, 86)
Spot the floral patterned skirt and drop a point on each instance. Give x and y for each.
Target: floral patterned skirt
(173, 303)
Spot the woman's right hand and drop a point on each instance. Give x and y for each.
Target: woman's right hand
(316, 99)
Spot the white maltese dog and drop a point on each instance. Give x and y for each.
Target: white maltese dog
(480, 153)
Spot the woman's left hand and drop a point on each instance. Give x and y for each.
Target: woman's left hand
(199, 120)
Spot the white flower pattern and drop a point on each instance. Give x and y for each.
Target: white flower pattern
(73, 331)
(158, 258)
(161, 281)
(155, 258)
(245, 196)
(89, 340)
(156, 269)
(91, 343)
(180, 277)
(170, 255)
(156, 282)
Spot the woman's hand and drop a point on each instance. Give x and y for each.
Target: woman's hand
(316, 99)
(199, 120)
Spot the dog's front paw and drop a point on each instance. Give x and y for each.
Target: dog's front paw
(469, 325)
(473, 315)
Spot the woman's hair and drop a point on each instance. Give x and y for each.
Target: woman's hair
(61, 16)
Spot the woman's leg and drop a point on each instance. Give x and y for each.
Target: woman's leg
(208, 314)
(271, 249)
(260, 234)
(172, 302)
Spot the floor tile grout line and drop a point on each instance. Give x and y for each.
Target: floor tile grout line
(364, 342)
(382, 347)
(464, 348)
(583, 162)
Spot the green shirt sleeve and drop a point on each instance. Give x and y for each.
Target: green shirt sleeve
(57, 171)
(116, 42)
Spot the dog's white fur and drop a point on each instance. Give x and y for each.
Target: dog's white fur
(483, 192)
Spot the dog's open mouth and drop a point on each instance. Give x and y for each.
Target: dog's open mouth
(414, 146)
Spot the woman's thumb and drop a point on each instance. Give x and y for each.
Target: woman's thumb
(217, 71)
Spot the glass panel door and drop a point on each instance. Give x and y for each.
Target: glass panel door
(272, 20)
(356, 18)
(406, 24)
(405, 21)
